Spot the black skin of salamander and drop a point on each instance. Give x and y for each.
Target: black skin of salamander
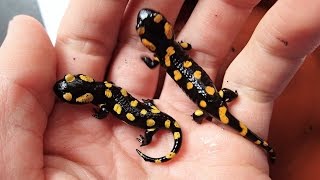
(95, 93)
(156, 34)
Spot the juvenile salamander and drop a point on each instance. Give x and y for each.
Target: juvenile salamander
(156, 33)
(82, 89)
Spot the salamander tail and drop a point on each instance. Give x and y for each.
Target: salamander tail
(227, 118)
(177, 134)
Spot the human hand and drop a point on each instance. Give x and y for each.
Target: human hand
(64, 141)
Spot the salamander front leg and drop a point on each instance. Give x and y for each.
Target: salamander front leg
(228, 95)
(147, 138)
(151, 63)
(186, 46)
(199, 115)
(150, 103)
(100, 112)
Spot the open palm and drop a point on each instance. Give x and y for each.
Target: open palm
(41, 137)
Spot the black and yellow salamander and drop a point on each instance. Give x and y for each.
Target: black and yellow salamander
(82, 89)
(156, 33)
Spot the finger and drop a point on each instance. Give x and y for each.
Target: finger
(211, 29)
(287, 33)
(27, 71)
(128, 70)
(24, 63)
(88, 35)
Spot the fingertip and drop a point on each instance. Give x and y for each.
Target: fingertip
(27, 57)
(26, 47)
(22, 30)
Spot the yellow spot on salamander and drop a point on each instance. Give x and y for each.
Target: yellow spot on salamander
(69, 78)
(157, 18)
(257, 142)
(197, 74)
(176, 135)
(108, 93)
(148, 44)
(86, 78)
(124, 92)
(157, 161)
(170, 155)
(167, 124)
(176, 124)
(150, 122)
(187, 64)
(155, 111)
(156, 59)
(155, 108)
(265, 143)
(170, 51)
(86, 98)
(210, 90)
(143, 112)
(168, 30)
(184, 45)
(107, 84)
(189, 85)
(203, 103)
(222, 114)
(167, 61)
(117, 108)
(198, 112)
(221, 93)
(67, 96)
(130, 117)
(244, 129)
(177, 75)
(141, 30)
(134, 103)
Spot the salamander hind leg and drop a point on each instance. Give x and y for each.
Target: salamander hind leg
(101, 112)
(177, 135)
(150, 103)
(147, 138)
(227, 94)
(151, 63)
(186, 46)
(199, 115)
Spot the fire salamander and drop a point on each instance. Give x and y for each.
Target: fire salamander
(156, 33)
(82, 89)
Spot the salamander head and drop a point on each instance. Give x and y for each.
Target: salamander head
(75, 89)
(154, 30)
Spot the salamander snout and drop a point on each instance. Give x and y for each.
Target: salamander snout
(143, 15)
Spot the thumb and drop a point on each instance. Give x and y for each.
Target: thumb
(27, 72)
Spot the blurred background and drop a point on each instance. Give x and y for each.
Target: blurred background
(49, 13)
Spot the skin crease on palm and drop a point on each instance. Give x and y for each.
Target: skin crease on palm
(44, 138)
